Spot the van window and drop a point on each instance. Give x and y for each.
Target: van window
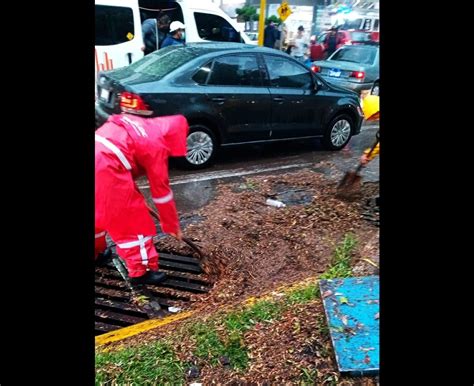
(376, 25)
(152, 9)
(113, 25)
(215, 28)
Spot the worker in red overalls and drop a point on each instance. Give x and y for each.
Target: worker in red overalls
(126, 147)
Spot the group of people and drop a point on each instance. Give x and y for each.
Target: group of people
(327, 48)
(274, 37)
(300, 47)
(162, 32)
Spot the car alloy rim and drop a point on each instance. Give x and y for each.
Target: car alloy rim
(200, 148)
(340, 132)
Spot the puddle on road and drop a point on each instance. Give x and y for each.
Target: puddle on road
(295, 197)
(291, 195)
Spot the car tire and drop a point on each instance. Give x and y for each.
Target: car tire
(375, 89)
(202, 148)
(338, 132)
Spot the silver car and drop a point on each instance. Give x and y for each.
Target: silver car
(353, 67)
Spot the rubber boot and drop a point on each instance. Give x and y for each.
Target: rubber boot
(150, 277)
(103, 258)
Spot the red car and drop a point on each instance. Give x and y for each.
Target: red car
(319, 47)
(356, 37)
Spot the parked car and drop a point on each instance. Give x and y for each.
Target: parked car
(352, 67)
(231, 94)
(318, 46)
(349, 37)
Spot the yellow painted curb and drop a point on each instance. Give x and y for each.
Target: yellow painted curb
(147, 325)
(135, 329)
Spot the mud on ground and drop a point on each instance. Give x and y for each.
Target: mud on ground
(253, 247)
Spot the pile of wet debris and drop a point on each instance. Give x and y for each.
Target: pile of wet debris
(253, 246)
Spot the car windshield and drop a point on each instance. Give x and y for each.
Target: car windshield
(164, 61)
(362, 55)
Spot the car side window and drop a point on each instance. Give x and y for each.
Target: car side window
(285, 73)
(215, 28)
(234, 70)
(201, 75)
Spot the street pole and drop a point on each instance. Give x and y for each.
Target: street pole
(261, 21)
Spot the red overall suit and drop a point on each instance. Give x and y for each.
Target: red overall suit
(127, 147)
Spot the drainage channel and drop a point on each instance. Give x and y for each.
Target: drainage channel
(114, 308)
(372, 211)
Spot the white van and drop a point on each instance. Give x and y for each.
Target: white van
(119, 40)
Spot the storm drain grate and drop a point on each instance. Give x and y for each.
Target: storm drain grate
(372, 211)
(114, 308)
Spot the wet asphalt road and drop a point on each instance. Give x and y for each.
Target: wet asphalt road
(194, 189)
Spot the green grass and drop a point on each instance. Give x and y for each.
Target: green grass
(208, 344)
(303, 295)
(155, 363)
(341, 259)
(261, 311)
(308, 376)
(236, 351)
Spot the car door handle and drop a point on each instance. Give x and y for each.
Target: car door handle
(278, 99)
(218, 100)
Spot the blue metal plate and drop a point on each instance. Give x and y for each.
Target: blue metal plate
(352, 310)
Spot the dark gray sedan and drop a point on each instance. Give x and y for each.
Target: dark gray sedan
(353, 67)
(231, 94)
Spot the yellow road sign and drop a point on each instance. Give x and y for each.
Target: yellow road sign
(284, 11)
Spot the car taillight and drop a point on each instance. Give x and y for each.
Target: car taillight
(315, 68)
(357, 74)
(134, 104)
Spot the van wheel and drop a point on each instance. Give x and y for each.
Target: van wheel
(338, 132)
(201, 146)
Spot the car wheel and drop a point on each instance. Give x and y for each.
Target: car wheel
(375, 89)
(338, 132)
(202, 147)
